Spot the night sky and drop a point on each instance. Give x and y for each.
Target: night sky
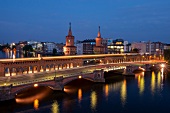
(48, 20)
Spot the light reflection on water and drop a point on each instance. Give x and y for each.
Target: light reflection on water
(79, 95)
(11, 54)
(153, 83)
(141, 82)
(93, 98)
(99, 97)
(55, 107)
(123, 92)
(36, 104)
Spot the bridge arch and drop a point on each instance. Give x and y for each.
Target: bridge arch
(71, 79)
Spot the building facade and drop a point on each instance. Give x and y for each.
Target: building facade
(141, 46)
(117, 47)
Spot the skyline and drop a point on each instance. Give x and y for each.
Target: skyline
(41, 20)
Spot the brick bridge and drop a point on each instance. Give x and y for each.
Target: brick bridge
(58, 83)
(17, 69)
(20, 66)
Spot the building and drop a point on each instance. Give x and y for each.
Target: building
(105, 43)
(157, 48)
(69, 48)
(49, 46)
(126, 47)
(141, 46)
(166, 46)
(98, 48)
(79, 48)
(88, 46)
(117, 47)
(59, 47)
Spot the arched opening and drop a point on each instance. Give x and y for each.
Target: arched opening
(71, 65)
(35, 69)
(13, 71)
(47, 68)
(68, 65)
(52, 67)
(20, 71)
(56, 67)
(7, 72)
(30, 68)
(25, 70)
(41, 68)
(64, 66)
(60, 66)
(78, 65)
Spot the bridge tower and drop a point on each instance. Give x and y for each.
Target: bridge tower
(69, 48)
(99, 48)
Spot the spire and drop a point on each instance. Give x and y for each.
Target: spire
(99, 35)
(70, 32)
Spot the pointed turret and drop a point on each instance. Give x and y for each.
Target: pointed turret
(99, 35)
(99, 49)
(70, 32)
(69, 48)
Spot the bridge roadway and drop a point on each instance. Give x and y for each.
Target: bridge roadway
(45, 76)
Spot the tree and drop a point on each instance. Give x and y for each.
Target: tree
(54, 51)
(167, 55)
(136, 50)
(27, 49)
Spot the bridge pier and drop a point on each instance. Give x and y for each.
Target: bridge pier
(99, 76)
(129, 70)
(5, 93)
(58, 83)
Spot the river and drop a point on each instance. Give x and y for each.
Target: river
(144, 93)
(10, 54)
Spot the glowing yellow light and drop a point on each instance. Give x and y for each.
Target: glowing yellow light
(93, 99)
(80, 95)
(153, 83)
(55, 107)
(80, 76)
(36, 104)
(4, 84)
(106, 90)
(123, 92)
(162, 65)
(35, 85)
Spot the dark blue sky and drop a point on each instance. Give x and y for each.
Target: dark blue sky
(48, 20)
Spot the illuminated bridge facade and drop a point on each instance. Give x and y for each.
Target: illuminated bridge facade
(55, 72)
(20, 66)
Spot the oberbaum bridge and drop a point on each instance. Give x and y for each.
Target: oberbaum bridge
(18, 74)
(55, 72)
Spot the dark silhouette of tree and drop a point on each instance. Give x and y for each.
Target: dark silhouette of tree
(54, 51)
(167, 55)
(135, 50)
(27, 49)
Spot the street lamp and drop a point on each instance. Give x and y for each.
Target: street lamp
(162, 65)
